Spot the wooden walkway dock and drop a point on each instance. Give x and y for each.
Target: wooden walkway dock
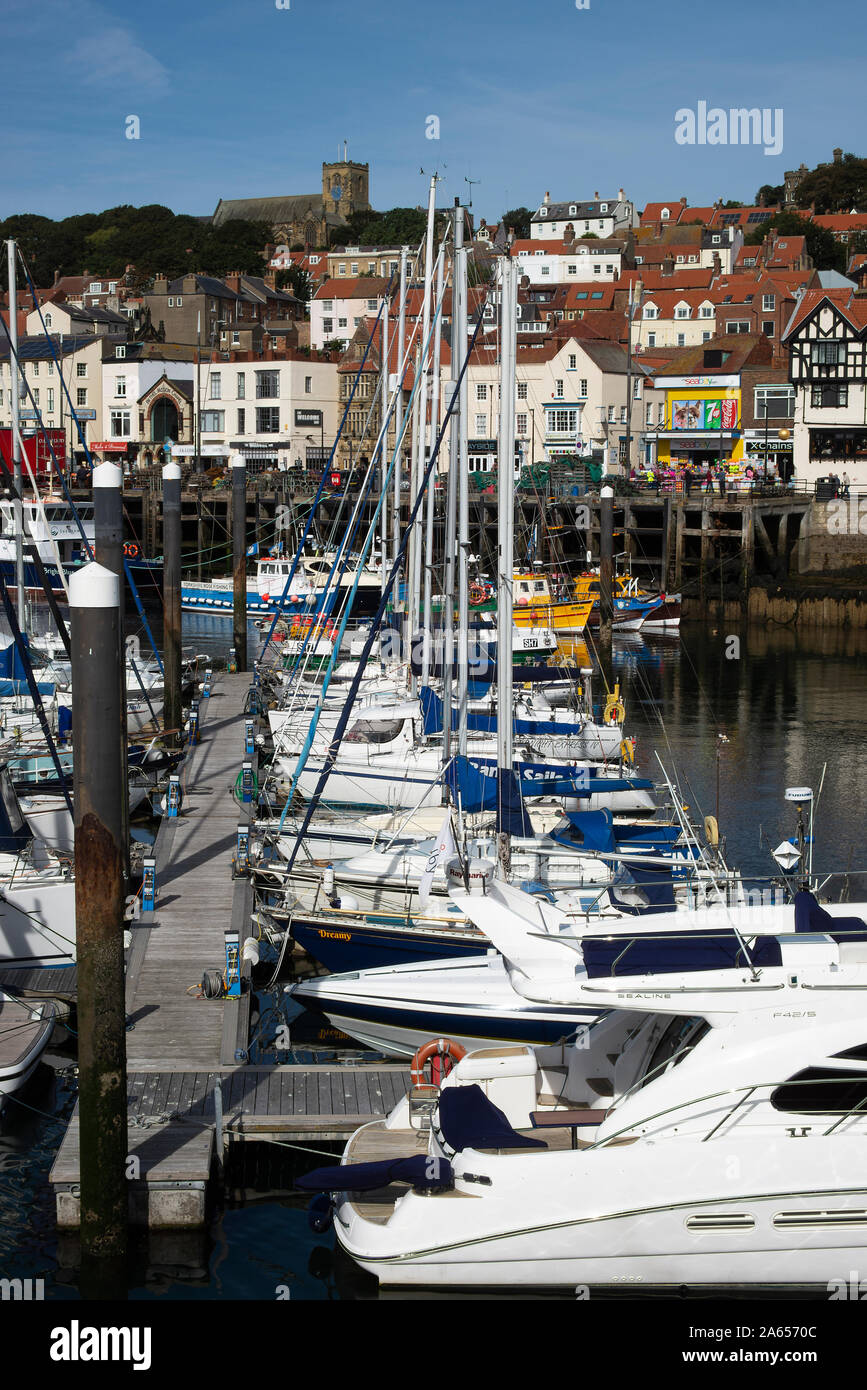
(182, 1049)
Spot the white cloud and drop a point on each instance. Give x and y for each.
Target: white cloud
(113, 57)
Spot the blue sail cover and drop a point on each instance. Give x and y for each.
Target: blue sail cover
(811, 917)
(474, 780)
(13, 673)
(432, 713)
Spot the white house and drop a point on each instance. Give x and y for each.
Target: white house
(605, 217)
(560, 263)
(339, 305)
(827, 341)
(281, 411)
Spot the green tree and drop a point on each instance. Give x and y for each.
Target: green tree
(836, 187)
(297, 280)
(770, 195)
(519, 220)
(827, 254)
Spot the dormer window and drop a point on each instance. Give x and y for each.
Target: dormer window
(603, 207)
(572, 210)
(543, 212)
(96, 287)
(650, 311)
(682, 311)
(120, 352)
(664, 215)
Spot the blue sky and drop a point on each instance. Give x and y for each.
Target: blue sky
(245, 99)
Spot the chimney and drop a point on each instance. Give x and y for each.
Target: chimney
(547, 198)
(667, 267)
(683, 201)
(270, 278)
(717, 264)
(596, 195)
(233, 280)
(620, 195)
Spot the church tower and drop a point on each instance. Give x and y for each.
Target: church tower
(345, 187)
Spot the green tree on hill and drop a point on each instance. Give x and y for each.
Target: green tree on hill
(827, 254)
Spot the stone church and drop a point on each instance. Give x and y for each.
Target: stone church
(306, 218)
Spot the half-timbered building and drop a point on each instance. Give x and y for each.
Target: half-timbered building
(827, 343)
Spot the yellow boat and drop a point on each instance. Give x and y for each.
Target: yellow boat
(533, 605)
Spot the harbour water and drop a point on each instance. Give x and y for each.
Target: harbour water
(790, 706)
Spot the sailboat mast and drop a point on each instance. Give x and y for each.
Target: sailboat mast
(505, 546)
(420, 460)
(398, 410)
(17, 508)
(383, 448)
(460, 341)
(451, 522)
(429, 512)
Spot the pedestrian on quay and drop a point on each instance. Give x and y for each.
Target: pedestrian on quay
(708, 481)
(721, 479)
(687, 481)
(844, 490)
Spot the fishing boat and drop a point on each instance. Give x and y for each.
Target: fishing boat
(61, 535)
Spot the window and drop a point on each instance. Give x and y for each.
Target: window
(481, 392)
(341, 269)
(563, 421)
(623, 415)
(661, 413)
(308, 385)
(120, 352)
(481, 424)
(353, 266)
(327, 306)
(768, 301)
(649, 415)
(611, 412)
(705, 337)
(636, 389)
(821, 1091)
(241, 386)
(679, 1038)
(216, 391)
(47, 320)
(682, 311)
(81, 369)
(573, 361)
(609, 269)
(51, 369)
(120, 387)
(706, 311)
(328, 325)
(372, 303)
(81, 396)
(267, 385)
(779, 401)
(50, 406)
(768, 327)
(521, 424)
(371, 266)
(558, 388)
(522, 390)
(268, 419)
(242, 421)
(545, 270)
(342, 323)
(681, 340)
(828, 354)
(597, 269)
(651, 340)
(35, 366)
(120, 428)
(737, 326)
(826, 397)
(36, 395)
(543, 212)
(650, 311)
(170, 301)
(572, 269)
(179, 303)
(236, 339)
(583, 388)
(212, 421)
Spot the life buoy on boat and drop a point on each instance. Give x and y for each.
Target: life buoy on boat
(477, 593)
(436, 1052)
(615, 710)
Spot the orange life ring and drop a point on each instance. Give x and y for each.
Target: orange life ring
(130, 549)
(477, 593)
(437, 1047)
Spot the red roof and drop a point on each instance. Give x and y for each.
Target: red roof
(842, 221)
(365, 287)
(851, 306)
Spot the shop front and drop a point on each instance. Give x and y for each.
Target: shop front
(702, 431)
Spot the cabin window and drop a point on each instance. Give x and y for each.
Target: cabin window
(679, 1038)
(374, 731)
(821, 1091)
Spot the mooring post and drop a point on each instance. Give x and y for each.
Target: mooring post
(99, 776)
(239, 558)
(172, 716)
(108, 551)
(606, 579)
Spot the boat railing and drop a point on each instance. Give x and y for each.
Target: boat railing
(740, 1095)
